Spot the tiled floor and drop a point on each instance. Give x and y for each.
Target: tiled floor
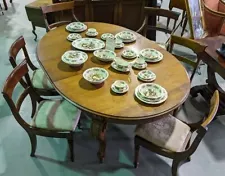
(208, 160)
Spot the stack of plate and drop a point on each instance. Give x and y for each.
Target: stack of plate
(76, 27)
(146, 76)
(126, 36)
(151, 93)
(151, 55)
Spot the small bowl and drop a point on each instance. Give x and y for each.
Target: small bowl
(105, 55)
(74, 58)
(95, 75)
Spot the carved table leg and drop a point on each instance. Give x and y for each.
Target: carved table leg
(33, 31)
(98, 129)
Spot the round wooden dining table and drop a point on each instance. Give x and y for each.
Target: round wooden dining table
(104, 105)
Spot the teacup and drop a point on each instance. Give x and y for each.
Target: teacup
(92, 31)
(140, 61)
(120, 85)
(121, 63)
(118, 41)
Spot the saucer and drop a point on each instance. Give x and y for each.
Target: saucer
(91, 34)
(140, 67)
(114, 65)
(116, 90)
(119, 46)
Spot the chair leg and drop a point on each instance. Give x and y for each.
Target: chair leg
(184, 26)
(5, 4)
(70, 143)
(136, 155)
(175, 166)
(188, 145)
(33, 141)
(10, 1)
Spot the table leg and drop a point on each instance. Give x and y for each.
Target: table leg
(98, 130)
(5, 4)
(152, 21)
(33, 31)
(207, 91)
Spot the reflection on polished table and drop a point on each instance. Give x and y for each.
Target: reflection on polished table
(215, 64)
(104, 105)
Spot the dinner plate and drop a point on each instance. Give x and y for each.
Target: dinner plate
(88, 44)
(126, 36)
(74, 58)
(151, 55)
(76, 27)
(107, 35)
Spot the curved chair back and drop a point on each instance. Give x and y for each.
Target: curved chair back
(17, 46)
(13, 79)
(57, 11)
(196, 47)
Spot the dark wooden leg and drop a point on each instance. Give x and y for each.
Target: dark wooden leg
(33, 141)
(79, 125)
(98, 130)
(152, 21)
(10, 1)
(193, 73)
(188, 145)
(33, 31)
(71, 145)
(175, 167)
(184, 26)
(136, 155)
(5, 4)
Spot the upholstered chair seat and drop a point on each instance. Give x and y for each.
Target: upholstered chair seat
(40, 80)
(56, 115)
(168, 133)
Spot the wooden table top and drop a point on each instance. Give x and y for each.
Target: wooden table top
(101, 101)
(214, 60)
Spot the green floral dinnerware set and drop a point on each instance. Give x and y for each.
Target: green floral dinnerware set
(147, 92)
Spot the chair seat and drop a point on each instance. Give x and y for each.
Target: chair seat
(56, 115)
(40, 80)
(168, 133)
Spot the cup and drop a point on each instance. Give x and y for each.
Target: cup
(118, 41)
(120, 85)
(92, 30)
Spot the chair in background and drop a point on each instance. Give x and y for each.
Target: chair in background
(58, 14)
(40, 81)
(196, 47)
(171, 137)
(152, 12)
(5, 4)
(180, 4)
(53, 118)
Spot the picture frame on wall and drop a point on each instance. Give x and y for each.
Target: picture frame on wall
(195, 18)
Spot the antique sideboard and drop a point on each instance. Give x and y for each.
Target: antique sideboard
(127, 13)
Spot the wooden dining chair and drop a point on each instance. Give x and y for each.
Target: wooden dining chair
(180, 4)
(58, 13)
(40, 81)
(5, 4)
(151, 12)
(53, 118)
(196, 47)
(170, 137)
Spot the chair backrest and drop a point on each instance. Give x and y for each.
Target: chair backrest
(19, 72)
(214, 104)
(212, 18)
(55, 14)
(179, 4)
(17, 46)
(196, 47)
(153, 12)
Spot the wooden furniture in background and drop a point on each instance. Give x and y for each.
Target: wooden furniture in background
(5, 4)
(171, 137)
(102, 11)
(102, 103)
(54, 118)
(180, 4)
(216, 64)
(196, 47)
(60, 8)
(40, 81)
(149, 12)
